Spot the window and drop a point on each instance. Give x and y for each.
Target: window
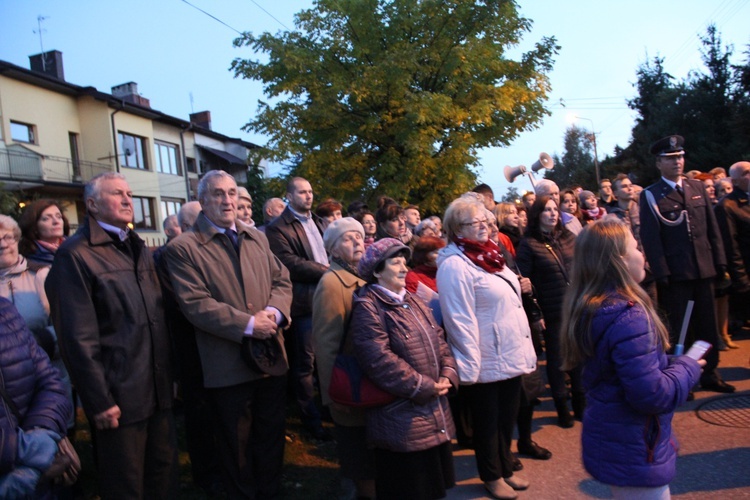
(22, 132)
(143, 209)
(131, 149)
(191, 165)
(165, 157)
(170, 206)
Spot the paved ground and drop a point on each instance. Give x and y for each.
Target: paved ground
(714, 460)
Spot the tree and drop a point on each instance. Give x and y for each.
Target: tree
(577, 163)
(383, 97)
(511, 195)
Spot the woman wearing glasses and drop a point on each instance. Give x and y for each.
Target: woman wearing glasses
(488, 331)
(545, 255)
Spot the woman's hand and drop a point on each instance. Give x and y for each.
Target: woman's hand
(442, 386)
(525, 284)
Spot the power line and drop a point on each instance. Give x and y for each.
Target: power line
(214, 17)
(270, 15)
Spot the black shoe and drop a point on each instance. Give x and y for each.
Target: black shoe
(691, 396)
(564, 418)
(517, 465)
(533, 450)
(718, 386)
(320, 434)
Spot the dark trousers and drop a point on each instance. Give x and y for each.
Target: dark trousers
(494, 409)
(139, 460)
(251, 440)
(673, 299)
(555, 376)
(302, 367)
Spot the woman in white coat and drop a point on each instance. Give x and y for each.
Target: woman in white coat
(490, 337)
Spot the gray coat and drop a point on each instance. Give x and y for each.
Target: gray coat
(404, 354)
(219, 291)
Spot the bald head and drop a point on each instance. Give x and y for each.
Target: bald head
(188, 215)
(740, 174)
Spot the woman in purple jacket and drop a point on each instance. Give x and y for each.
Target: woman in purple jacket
(632, 387)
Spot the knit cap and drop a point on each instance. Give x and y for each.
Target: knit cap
(378, 252)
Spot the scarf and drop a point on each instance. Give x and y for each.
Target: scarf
(485, 255)
(50, 247)
(346, 266)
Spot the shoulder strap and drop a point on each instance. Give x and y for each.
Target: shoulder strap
(659, 217)
(346, 328)
(559, 262)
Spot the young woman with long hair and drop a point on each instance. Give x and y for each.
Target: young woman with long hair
(610, 327)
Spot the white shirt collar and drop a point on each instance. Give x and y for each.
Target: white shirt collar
(121, 233)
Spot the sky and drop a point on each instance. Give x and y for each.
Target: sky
(180, 57)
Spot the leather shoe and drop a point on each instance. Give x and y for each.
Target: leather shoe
(516, 482)
(517, 465)
(718, 386)
(533, 450)
(500, 489)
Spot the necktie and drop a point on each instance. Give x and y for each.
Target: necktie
(679, 190)
(232, 234)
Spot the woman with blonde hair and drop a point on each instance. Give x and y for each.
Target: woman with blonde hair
(508, 221)
(610, 327)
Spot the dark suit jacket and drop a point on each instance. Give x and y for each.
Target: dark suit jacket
(733, 216)
(288, 241)
(690, 250)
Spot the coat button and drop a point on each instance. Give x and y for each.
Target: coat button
(442, 431)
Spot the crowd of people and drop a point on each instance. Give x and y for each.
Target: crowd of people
(448, 315)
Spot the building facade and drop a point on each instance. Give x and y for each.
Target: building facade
(55, 136)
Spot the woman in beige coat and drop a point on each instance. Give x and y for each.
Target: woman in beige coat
(332, 306)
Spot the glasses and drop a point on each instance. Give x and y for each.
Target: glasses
(477, 223)
(8, 239)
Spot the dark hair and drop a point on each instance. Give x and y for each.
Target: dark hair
(424, 247)
(388, 212)
(361, 215)
(384, 200)
(535, 211)
(355, 208)
(28, 224)
(484, 189)
(326, 207)
(618, 179)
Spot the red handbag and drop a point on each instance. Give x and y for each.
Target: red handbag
(351, 387)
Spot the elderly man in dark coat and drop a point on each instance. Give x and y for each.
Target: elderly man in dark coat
(106, 305)
(236, 293)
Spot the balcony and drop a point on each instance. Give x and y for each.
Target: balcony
(26, 166)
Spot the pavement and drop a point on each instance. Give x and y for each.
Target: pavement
(713, 432)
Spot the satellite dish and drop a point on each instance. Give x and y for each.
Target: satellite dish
(128, 145)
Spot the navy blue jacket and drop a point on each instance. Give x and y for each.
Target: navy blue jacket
(632, 390)
(30, 381)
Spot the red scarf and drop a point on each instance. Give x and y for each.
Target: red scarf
(485, 255)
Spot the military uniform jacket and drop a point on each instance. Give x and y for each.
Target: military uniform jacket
(681, 250)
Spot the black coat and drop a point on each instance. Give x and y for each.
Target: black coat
(687, 251)
(288, 241)
(540, 259)
(108, 314)
(733, 216)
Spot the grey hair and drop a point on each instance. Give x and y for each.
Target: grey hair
(543, 187)
(188, 214)
(92, 188)
(460, 208)
(207, 180)
(168, 220)
(8, 222)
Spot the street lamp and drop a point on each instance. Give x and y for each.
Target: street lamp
(592, 138)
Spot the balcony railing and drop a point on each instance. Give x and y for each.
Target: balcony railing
(20, 166)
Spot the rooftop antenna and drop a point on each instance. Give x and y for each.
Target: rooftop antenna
(39, 20)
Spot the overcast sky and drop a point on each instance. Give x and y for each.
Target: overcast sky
(175, 51)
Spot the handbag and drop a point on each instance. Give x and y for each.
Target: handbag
(350, 386)
(65, 466)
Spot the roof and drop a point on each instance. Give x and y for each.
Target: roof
(48, 82)
(223, 155)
